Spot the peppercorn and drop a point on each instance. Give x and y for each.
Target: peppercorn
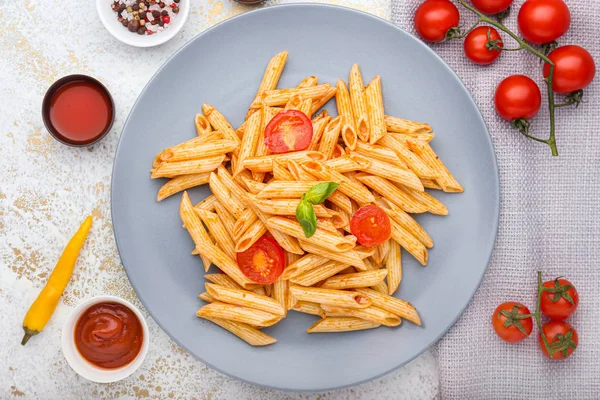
(141, 5)
(136, 13)
(175, 10)
(142, 22)
(120, 19)
(166, 19)
(164, 13)
(176, 1)
(156, 13)
(152, 2)
(142, 14)
(129, 9)
(135, 7)
(133, 25)
(162, 4)
(160, 23)
(147, 4)
(114, 7)
(124, 22)
(141, 31)
(154, 22)
(122, 7)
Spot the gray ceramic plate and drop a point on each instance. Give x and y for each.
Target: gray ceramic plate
(223, 66)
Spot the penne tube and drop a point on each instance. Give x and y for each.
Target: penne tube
(180, 183)
(344, 108)
(219, 122)
(392, 193)
(280, 172)
(321, 101)
(330, 137)
(342, 219)
(410, 243)
(187, 167)
(244, 222)
(220, 191)
(348, 257)
(396, 306)
(250, 236)
(309, 81)
(379, 152)
(204, 150)
(206, 297)
(319, 124)
(376, 112)
(235, 313)
(373, 314)
(338, 151)
(315, 275)
(350, 140)
(411, 160)
(360, 108)
(403, 137)
(355, 280)
(353, 190)
(226, 264)
(364, 252)
(306, 106)
(288, 207)
(249, 140)
(394, 267)
(286, 189)
(341, 324)
(282, 96)
(426, 153)
(208, 203)
(280, 294)
(394, 173)
(218, 231)
(192, 223)
(270, 77)
(252, 185)
(395, 124)
(308, 307)
(381, 253)
(430, 184)
(227, 219)
(265, 163)
(261, 147)
(340, 298)
(244, 298)
(342, 201)
(202, 125)
(322, 238)
(381, 287)
(250, 335)
(433, 205)
(230, 184)
(222, 280)
(209, 137)
(291, 258)
(289, 243)
(410, 225)
(294, 102)
(327, 225)
(302, 265)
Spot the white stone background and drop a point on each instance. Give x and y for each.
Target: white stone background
(46, 189)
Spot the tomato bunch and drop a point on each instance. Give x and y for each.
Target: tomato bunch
(540, 22)
(558, 299)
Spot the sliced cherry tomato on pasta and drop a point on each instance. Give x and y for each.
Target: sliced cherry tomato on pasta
(290, 130)
(371, 226)
(262, 262)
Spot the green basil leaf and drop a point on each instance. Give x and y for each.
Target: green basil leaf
(320, 192)
(307, 218)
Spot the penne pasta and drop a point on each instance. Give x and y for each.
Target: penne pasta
(355, 280)
(208, 203)
(235, 313)
(250, 236)
(408, 242)
(380, 153)
(411, 160)
(445, 178)
(433, 205)
(373, 314)
(396, 306)
(309, 81)
(282, 96)
(220, 191)
(319, 273)
(246, 219)
(192, 223)
(265, 163)
(321, 101)
(394, 267)
(280, 293)
(252, 185)
(250, 335)
(392, 193)
(249, 140)
(341, 298)
(280, 172)
(394, 173)
(289, 243)
(227, 219)
(181, 183)
(341, 324)
(288, 207)
(319, 124)
(270, 77)
(206, 297)
(330, 137)
(226, 264)
(202, 125)
(376, 112)
(203, 150)
(411, 226)
(308, 307)
(187, 167)
(218, 231)
(286, 189)
(222, 280)
(261, 147)
(344, 108)
(302, 265)
(244, 298)
(348, 257)
(395, 124)
(360, 108)
(348, 187)
(219, 122)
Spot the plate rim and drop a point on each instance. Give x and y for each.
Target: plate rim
(427, 48)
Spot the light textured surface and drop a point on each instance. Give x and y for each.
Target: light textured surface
(46, 189)
(549, 221)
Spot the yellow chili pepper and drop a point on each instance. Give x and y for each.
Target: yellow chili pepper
(43, 307)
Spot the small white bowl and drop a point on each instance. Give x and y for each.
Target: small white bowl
(110, 22)
(83, 367)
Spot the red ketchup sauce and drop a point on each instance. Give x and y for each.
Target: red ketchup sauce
(109, 335)
(80, 111)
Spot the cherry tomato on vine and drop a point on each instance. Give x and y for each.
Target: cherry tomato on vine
(543, 21)
(517, 96)
(476, 45)
(561, 300)
(509, 323)
(491, 6)
(434, 18)
(574, 69)
(562, 338)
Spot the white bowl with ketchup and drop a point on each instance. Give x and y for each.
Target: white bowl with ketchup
(105, 339)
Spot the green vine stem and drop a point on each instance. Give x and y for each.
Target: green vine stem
(551, 141)
(537, 315)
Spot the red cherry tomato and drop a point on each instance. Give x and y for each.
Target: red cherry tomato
(574, 69)
(475, 45)
(371, 226)
(517, 97)
(262, 262)
(560, 303)
(434, 18)
(561, 336)
(543, 21)
(289, 130)
(517, 329)
(491, 6)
